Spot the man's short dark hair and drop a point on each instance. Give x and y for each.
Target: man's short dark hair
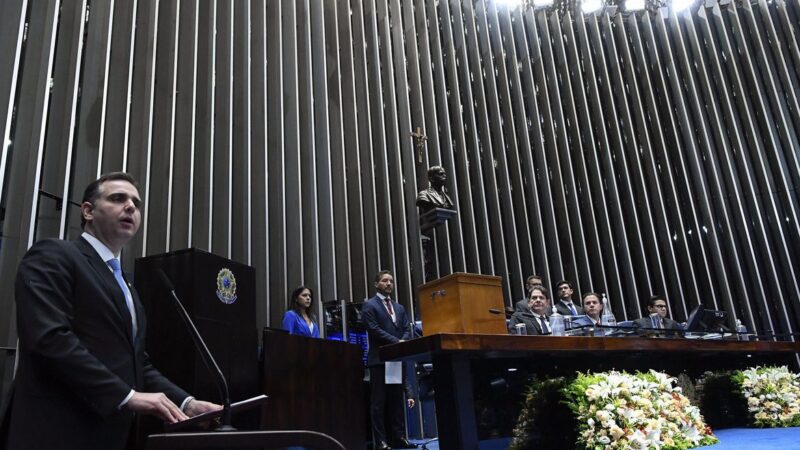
(92, 191)
(380, 274)
(558, 285)
(434, 169)
(653, 299)
(583, 297)
(541, 288)
(536, 275)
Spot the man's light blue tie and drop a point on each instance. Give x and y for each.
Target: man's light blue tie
(114, 264)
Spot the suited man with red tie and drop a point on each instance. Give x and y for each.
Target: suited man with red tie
(83, 373)
(387, 323)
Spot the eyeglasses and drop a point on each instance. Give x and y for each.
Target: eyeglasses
(660, 306)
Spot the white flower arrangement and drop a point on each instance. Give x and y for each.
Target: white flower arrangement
(772, 395)
(617, 410)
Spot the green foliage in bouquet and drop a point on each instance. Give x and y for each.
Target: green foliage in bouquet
(721, 400)
(545, 421)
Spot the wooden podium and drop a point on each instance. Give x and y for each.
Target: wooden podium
(460, 303)
(314, 384)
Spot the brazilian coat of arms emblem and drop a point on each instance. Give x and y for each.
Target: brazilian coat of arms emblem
(226, 286)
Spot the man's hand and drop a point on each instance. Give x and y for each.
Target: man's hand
(411, 402)
(156, 404)
(197, 407)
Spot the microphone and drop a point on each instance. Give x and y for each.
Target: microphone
(509, 313)
(205, 354)
(503, 312)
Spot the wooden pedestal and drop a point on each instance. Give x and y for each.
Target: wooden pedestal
(460, 303)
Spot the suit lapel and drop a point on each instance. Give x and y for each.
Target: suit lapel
(536, 325)
(388, 316)
(108, 283)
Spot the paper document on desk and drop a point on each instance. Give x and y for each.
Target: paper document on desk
(394, 372)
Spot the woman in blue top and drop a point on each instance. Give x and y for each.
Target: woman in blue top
(299, 319)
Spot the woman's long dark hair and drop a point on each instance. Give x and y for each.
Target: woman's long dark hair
(294, 306)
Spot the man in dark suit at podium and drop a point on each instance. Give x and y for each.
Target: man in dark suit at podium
(83, 373)
(387, 323)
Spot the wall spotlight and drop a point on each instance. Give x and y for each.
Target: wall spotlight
(590, 6)
(680, 5)
(634, 5)
(508, 3)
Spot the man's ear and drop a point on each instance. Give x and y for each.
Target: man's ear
(86, 210)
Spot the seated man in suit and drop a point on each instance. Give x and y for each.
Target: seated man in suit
(533, 280)
(593, 312)
(592, 307)
(657, 319)
(536, 322)
(564, 305)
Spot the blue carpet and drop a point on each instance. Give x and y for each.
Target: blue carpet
(757, 439)
(494, 444)
(730, 439)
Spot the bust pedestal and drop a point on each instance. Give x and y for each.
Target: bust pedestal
(429, 220)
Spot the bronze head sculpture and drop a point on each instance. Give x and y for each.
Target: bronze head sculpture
(435, 196)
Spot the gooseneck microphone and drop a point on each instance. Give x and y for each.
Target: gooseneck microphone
(509, 313)
(205, 354)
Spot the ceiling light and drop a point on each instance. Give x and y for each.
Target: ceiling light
(680, 5)
(634, 5)
(590, 6)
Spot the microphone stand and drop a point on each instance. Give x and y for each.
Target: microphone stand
(205, 355)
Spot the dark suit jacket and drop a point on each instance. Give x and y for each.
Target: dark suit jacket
(564, 311)
(78, 359)
(669, 324)
(532, 325)
(380, 328)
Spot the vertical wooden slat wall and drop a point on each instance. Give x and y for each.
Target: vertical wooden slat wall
(630, 152)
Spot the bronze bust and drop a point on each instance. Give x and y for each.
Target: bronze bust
(435, 196)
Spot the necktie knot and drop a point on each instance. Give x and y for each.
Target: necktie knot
(571, 308)
(656, 321)
(114, 264)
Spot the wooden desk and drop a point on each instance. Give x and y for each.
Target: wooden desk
(314, 384)
(455, 357)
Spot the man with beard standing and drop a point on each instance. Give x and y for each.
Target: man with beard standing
(387, 323)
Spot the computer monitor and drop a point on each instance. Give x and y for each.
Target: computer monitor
(706, 320)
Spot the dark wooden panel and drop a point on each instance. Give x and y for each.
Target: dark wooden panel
(314, 384)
